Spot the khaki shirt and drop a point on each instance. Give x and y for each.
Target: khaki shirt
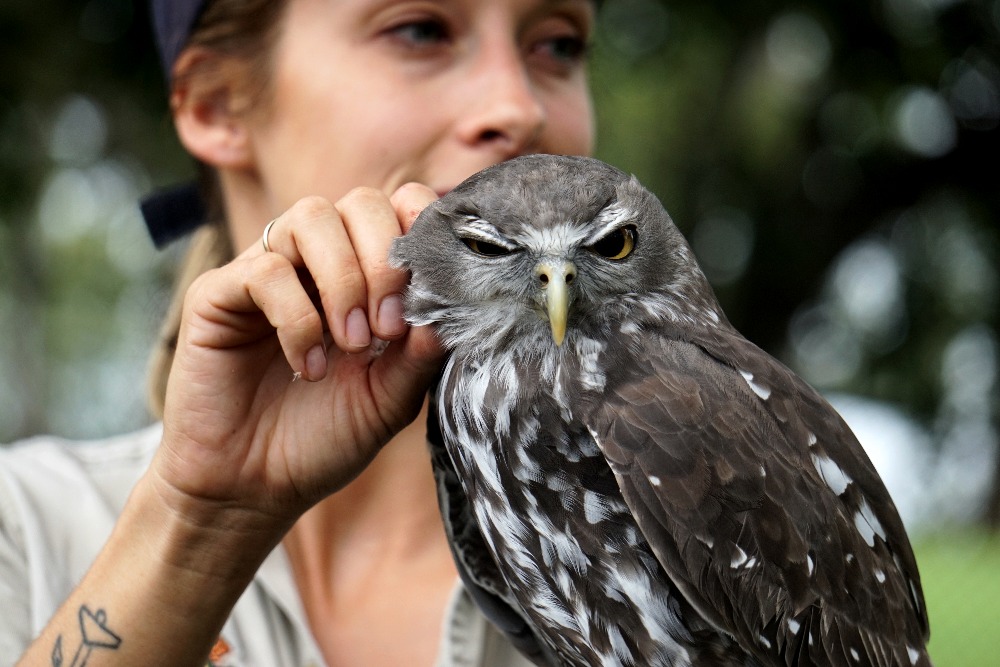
(58, 503)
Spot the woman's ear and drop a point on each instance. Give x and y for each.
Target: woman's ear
(210, 111)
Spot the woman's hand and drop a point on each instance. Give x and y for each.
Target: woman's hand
(280, 391)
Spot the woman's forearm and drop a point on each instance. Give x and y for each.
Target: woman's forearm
(161, 588)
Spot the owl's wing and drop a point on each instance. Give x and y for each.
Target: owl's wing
(473, 559)
(761, 504)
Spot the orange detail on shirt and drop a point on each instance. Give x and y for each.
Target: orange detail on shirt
(219, 651)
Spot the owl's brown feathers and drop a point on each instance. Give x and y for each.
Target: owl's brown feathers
(649, 488)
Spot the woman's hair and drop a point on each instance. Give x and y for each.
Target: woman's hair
(240, 35)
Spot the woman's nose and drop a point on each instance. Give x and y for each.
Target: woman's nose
(504, 108)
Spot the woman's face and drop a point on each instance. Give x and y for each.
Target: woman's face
(384, 92)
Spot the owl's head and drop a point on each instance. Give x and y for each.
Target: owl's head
(539, 246)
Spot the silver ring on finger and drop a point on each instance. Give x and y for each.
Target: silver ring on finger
(263, 238)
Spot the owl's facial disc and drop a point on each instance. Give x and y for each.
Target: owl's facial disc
(555, 278)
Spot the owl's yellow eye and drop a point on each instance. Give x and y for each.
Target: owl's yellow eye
(619, 244)
(485, 248)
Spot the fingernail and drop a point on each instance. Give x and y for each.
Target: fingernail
(358, 334)
(316, 363)
(390, 316)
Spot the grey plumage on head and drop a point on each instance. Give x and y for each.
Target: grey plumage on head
(533, 207)
(624, 478)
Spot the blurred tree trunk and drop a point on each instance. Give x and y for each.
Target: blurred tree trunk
(993, 501)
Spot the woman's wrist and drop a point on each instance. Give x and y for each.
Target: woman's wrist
(164, 584)
(202, 538)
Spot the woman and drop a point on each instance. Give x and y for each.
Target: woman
(287, 420)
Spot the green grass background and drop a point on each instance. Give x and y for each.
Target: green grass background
(961, 579)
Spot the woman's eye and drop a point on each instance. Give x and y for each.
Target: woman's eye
(423, 32)
(568, 49)
(619, 244)
(485, 248)
(560, 44)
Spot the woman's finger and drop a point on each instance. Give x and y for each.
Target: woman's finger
(409, 200)
(311, 235)
(230, 301)
(372, 224)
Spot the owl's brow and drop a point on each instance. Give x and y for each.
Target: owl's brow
(557, 238)
(609, 219)
(474, 227)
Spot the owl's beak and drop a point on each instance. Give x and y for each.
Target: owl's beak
(555, 278)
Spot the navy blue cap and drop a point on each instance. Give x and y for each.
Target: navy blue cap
(174, 212)
(172, 24)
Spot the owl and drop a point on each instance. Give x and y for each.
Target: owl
(624, 478)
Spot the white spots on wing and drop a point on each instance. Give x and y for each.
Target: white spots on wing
(611, 592)
(864, 528)
(880, 576)
(569, 552)
(654, 480)
(475, 383)
(651, 602)
(712, 315)
(526, 469)
(557, 481)
(706, 540)
(634, 582)
(831, 473)
(562, 400)
(867, 525)
(810, 564)
(855, 655)
(616, 505)
(575, 449)
(794, 626)
(756, 388)
(618, 645)
(812, 439)
(569, 499)
(739, 559)
(589, 352)
(764, 641)
(763, 471)
(630, 328)
(678, 308)
(595, 509)
(506, 375)
(913, 654)
(849, 558)
(913, 594)
(542, 550)
(553, 608)
(667, 306)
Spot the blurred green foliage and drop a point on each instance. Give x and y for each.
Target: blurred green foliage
(835, 165)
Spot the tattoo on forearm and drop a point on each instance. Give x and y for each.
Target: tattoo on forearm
(94, 634)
